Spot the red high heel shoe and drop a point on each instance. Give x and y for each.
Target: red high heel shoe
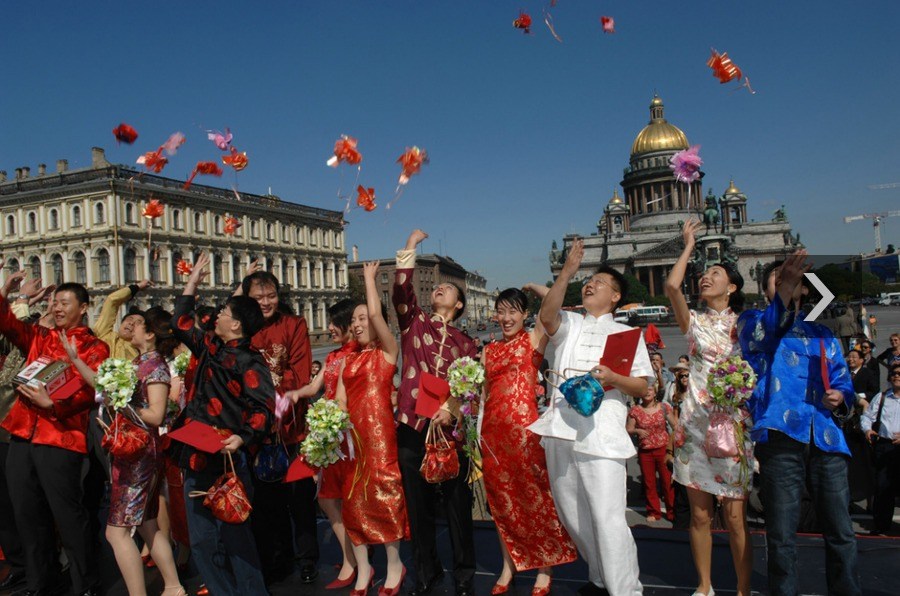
(364, 591)
(502, 588)
(339, 583)
(395, 591)
(535, 591)
(203, 591)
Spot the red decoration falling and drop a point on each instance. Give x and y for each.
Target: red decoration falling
(523, 21)
(366, 198)
(345, 150)
(726, 71)
(153, 160)
(209, 168)
(184, 267)
(125, 134)
(231, 225)
(411, 161)
(236, 160)
(609, 24)
(153, 209)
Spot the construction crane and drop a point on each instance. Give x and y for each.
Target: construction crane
(876, 223)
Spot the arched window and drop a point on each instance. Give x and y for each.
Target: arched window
(56, 263)
(103, 266)
(176, 258)
(235, 268)
(76, 216)
(35, 264)
(198, 222)
(32, 221)
(285, 235)
(12, 265)
(176, 219)
(129, 213)
(254, 230)
(54, 219)
(11, 225)
(154, 265)
(284, 271)
(99, 214)
(270, 232)
(217, 270)
(325, 234)
(218, 224)
(130, 265)
(313, 237)
(80, 267)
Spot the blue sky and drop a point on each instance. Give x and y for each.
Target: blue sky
(527, 136)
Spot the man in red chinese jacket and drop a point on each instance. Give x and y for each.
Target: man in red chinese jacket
(232, 392)
(48, 445)
(284, 343)
(430, 342)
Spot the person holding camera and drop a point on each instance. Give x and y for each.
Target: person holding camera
(881, 423)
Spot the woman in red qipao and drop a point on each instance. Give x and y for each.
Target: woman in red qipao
(331, 485)
(374, 507)
(515, 468)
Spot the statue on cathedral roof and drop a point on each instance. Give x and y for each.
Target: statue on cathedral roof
(780, 214)
(711, 212)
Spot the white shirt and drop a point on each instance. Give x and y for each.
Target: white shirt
(578, 344)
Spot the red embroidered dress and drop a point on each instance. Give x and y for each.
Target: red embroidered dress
(332, 484)
(654, 423)
(374, 508)
(515, 468)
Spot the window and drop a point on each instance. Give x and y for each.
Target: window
(32, 221)
(218, 224)
(99, 214)
(54, 219)
(384, 279)
(325, 235)
(235, 268)
(216, 270)
(312, 237)
(254, 230)
(129, 213)
(284, 272)
(285, 235)
(176, 258)
(57, 264)
(130, 265)
(35, 265)
(76, 216)
(337, 240)
(385, 299)
(301, 234)
(198, 222)
(176, 219)
(154, 265)
(103, 266)
(11, 225)
(270, 232)
(12, 265)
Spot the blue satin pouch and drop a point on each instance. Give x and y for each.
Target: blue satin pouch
(583, 393)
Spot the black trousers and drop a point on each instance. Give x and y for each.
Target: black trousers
(421, 505)
(279, 542)
(9, 533)
(887, 484)
(46, 493)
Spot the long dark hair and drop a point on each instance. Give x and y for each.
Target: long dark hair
(159, 323)
(736, 299)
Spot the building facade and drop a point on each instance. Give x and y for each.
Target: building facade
(86, 226)
(479, 301)
(640, 232)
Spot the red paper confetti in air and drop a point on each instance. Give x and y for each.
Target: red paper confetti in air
(236, 160)
(231, 225)
(345, 150)
(411, 161)
(125, 134)
(153, 160)
(523, 21)
(153, 209)
(726, 71)
(608, 24)
(184, 268)
(209, 168)
(366, 198)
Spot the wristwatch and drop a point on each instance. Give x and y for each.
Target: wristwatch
(22, 297)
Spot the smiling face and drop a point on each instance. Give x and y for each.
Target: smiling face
(599, 293)
(126, 329)
(511, 319)
(650, 395)
(445, 296)
(715, 284)
(68, 312)
(338, 335)
(853, 360)
(359, 325)
(267, 297)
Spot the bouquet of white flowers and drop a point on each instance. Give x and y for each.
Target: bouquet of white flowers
(465, 377)
(327, 423)
(180, 363)
(116, 380)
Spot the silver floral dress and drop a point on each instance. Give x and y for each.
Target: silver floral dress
(711, 338)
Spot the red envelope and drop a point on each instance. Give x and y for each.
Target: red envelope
(824, 363)
(619, 352)
(201, 436)
(433, 392)
(299, 470)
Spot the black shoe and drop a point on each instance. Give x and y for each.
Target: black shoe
(308, 573)
(465, 588)
(422, 588)
(592, 589)
(12, 579)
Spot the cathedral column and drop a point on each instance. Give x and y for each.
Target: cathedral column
(652, 284)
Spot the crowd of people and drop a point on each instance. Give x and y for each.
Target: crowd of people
(555, 480)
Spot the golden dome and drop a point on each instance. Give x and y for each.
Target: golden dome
(732, 189)
(616, 199)
(659, 135)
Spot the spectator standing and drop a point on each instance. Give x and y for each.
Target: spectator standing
(881, 423)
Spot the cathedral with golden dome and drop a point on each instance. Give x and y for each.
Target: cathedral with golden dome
(639, 231)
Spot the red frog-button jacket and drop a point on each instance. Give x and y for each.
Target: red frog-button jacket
(284, 343)
(64, 426)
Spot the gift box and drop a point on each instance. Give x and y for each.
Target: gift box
(60, 378)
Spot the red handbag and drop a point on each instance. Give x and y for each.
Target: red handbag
(441, 462)
(123, 438)
(227, 497)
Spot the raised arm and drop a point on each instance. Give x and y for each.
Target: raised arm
(676, 276)
(253, 268)
(538, 334)
(183, 327)
(378, 325)
(310, 390)
(404, 294)
(553, 301)
(20, 334)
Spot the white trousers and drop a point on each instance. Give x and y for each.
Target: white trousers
(590, 497)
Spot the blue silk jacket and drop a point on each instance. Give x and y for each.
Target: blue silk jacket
(785, 352)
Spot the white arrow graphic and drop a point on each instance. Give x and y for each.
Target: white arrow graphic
(827, 297)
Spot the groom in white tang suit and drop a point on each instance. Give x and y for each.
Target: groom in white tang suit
(586, 454)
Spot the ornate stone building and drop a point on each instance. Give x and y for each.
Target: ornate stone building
(86, 225)
(640, 232)
(479, 301)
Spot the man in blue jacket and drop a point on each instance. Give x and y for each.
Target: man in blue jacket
(797, 438)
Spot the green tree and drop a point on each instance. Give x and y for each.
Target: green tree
(356, 287)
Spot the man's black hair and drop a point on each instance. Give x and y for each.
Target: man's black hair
(246, 310)
(341, 312)
(858, 353)
(513, 297)
(461, 296)
(78, 290)
(263, 278)
(767, 272)
(206, 317)
(620, 280)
